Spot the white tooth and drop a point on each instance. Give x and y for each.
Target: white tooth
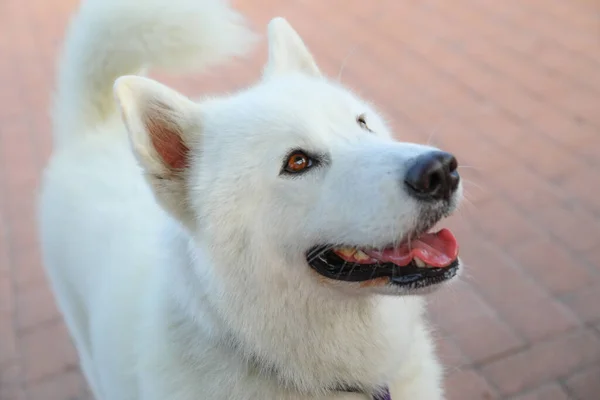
(346, 251)
(420, 263)
(361, 256)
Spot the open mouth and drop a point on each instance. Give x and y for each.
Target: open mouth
(426, 260)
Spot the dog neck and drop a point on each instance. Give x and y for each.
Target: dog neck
(305, 340)
(270, 371)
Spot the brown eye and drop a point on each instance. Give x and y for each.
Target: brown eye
(362, 122)
(298, 162)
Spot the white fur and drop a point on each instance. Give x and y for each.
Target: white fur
(191, 283)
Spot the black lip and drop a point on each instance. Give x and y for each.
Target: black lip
(330, 265)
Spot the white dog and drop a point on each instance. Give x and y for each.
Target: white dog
(270, 244)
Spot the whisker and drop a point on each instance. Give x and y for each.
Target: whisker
(472, 183)
(372, 273)
(437, 130)
(353, 268)
(377, 14)
(323, 250)
(350, 53)
(468, 201)
(318, 253)
(342, 269)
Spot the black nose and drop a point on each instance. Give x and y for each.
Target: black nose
(432, 176)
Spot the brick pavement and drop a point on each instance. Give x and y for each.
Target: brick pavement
(512, 87)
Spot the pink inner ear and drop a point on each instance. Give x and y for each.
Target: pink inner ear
(168, 143)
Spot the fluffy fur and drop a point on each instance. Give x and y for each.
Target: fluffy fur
(175, 248)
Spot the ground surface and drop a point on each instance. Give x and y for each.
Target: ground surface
(511, 86)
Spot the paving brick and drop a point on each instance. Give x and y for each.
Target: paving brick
(35, 305)
(585, 385)
(477, 331)
(452, 358)
(6, 295)
(572, 132)
(69, 385)
(551, 391)
(47, 351)
(593, 258)
(553, 266)
(585, 303)
(525, 70)
(468, 384)
(552, 160)
(8, 340)
(452, 308)
(544, 361)
(28, 269)
(11, 385)
(503, 223)
(542, 27)
(497, 129)
(10, 375)
(575, 227)
(6, 283)
(580, 187)
(519, 300)
(486, 337)
(13, 393)
(526, 189)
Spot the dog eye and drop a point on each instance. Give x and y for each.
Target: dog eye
(361, 120)
(298, 161)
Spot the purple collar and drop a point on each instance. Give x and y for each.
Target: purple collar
(383, 395)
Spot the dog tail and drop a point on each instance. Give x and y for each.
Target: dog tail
(110, 38)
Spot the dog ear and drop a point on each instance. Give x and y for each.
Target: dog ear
(287, 51)
(162, 126)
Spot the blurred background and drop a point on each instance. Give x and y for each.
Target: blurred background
(512, 87)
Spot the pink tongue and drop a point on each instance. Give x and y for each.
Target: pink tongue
(438, 249)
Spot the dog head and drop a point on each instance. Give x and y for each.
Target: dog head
(296, 180)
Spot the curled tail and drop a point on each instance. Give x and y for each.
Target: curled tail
(110, 38)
